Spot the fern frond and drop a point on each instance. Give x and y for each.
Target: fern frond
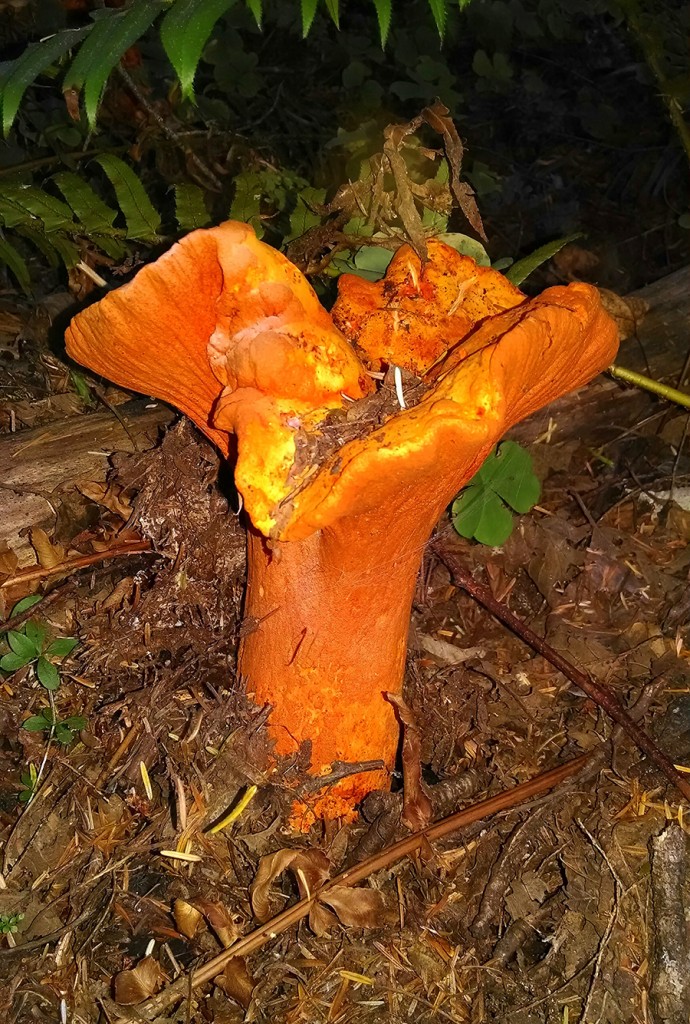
(185, 30)
(142, 218)
(113, 33)
(17, 75)
(190, 208)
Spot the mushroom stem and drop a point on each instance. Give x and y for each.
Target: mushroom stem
(334, 612)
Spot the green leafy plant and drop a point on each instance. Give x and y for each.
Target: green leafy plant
(64, 730)
(505, 481)
(29, 782)
(29, 645)
(62, 229)
(9, 923)
(185, 27)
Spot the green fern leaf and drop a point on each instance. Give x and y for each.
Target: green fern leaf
(438, 9)
(33, 204)
(112, 247)
(308, 8)
(190, 208)
(184, 33)
(383, 14)
(17, 75)
(11, 258)
(141, 216)
(256, 8)
(333, 8)
(89, 209)
(69, 252)
(113, 33)
(39, 238)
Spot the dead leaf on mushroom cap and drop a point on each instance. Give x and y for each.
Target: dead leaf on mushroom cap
(420, 310)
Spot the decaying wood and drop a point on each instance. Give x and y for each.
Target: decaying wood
(39, 465)
(670, 954)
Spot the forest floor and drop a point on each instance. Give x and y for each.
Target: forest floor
(553, 910)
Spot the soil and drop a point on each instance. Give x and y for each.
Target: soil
(569, 906)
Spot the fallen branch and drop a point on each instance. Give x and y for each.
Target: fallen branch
(507, 800)
(70, 565)
(36, 609)
(602, 696)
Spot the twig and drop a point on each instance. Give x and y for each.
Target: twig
(204, 170)
(36, 609)
(598, 692)
(647, 384)
(69, 565)
(281, 922)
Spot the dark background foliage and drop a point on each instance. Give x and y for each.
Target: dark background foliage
(563, 105)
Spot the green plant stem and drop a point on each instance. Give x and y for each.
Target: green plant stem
(647, 384)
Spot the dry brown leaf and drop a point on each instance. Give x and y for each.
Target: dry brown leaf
(221, 921)
(119, 594)
(309, 867)
(236, 981)
(438, 118)
(143, 981)
(357, 908)
(187, 918)
(110, 496)
(321, 920)
(8, 562)
(628, 312)
(47, 553)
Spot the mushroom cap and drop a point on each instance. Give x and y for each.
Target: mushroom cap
(512, 365)
(420, 310)
(226, 329)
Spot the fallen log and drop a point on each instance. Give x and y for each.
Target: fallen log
(38, 466)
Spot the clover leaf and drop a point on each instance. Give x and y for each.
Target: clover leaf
(505, 481)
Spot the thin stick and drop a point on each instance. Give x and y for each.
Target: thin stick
(36, 609)
(647, 384)
(598, 692)
(281, 922)
(69, 565)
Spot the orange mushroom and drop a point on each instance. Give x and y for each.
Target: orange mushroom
(418, 311)
(340, 508)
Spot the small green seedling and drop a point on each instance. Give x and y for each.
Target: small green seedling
(505, 481)
(64, 729)
(9, 923)
(29, 781)
(29, 646)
